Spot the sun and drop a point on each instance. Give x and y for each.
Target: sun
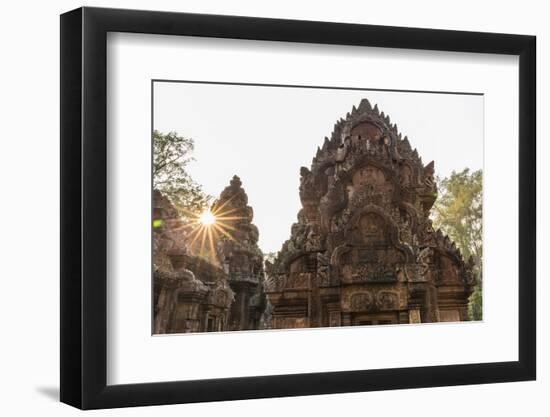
(208, 228)
(207, 218)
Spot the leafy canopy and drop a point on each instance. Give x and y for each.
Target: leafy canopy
(459, 209)
(171, 156)
(458, 212)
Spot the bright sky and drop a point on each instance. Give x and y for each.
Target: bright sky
(265, 134)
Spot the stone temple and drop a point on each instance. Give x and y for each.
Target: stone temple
(364, 251)
(189, 293)
(195, 294)
(241, 258)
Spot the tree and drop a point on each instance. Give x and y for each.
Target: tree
(475, 304)
(458, 213)
(171, 155)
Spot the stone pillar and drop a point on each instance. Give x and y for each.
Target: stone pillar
(414, 316)
(346, 319)
(238, 314)
(314, 302)
(164, 309)
(432, 309)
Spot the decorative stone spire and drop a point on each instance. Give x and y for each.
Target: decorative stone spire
(364, 249)
(240, 256)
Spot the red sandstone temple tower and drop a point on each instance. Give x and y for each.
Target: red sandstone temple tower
(197, 294)
(240, 257)
(364, 250)
(190, 294)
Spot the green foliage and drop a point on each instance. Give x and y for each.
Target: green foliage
(475, 311)
(171, 155)
(458, 213)
(459, 209)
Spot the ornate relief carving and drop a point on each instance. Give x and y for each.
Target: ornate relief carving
(369, 175)
(371, 230)
(361, 301)
(386, 300)
(406, 176)
(369, 273)
(366, 202)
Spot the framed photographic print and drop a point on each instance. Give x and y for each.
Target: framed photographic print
(257, 208)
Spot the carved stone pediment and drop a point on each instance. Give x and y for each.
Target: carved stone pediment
(366, 202)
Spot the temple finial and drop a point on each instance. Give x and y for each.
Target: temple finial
(365, 105)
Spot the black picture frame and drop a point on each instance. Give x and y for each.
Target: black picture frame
(84, 207)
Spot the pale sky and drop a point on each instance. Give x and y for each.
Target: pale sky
(265, 134)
